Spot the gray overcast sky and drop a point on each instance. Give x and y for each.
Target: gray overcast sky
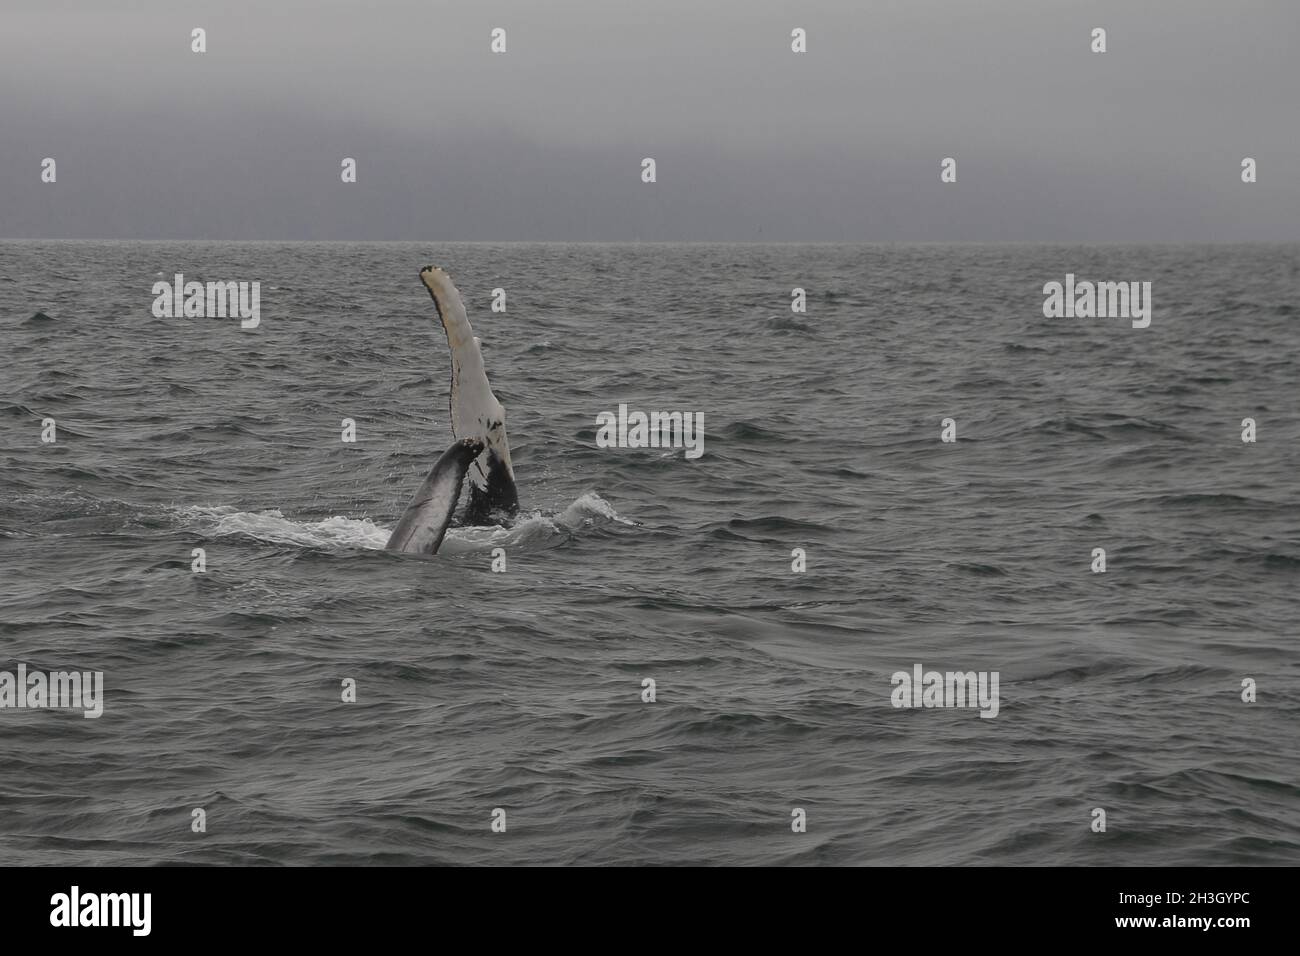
(752, 141)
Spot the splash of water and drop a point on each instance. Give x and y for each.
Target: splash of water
(341, 533)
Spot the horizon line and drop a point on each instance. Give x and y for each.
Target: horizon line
(703, 242)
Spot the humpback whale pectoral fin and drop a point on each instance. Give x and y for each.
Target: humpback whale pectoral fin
(447, 301)
(475, 410)
(424, 523)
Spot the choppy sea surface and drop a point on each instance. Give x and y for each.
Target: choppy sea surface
(522, 690)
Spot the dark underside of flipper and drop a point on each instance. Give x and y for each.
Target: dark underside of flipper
(495, 503)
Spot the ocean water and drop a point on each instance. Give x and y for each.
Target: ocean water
(522, 690)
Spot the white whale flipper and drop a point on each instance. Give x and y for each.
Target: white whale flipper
(475, 411)
(424, 523)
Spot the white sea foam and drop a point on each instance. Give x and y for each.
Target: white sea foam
(273, 527)
(340, 532)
